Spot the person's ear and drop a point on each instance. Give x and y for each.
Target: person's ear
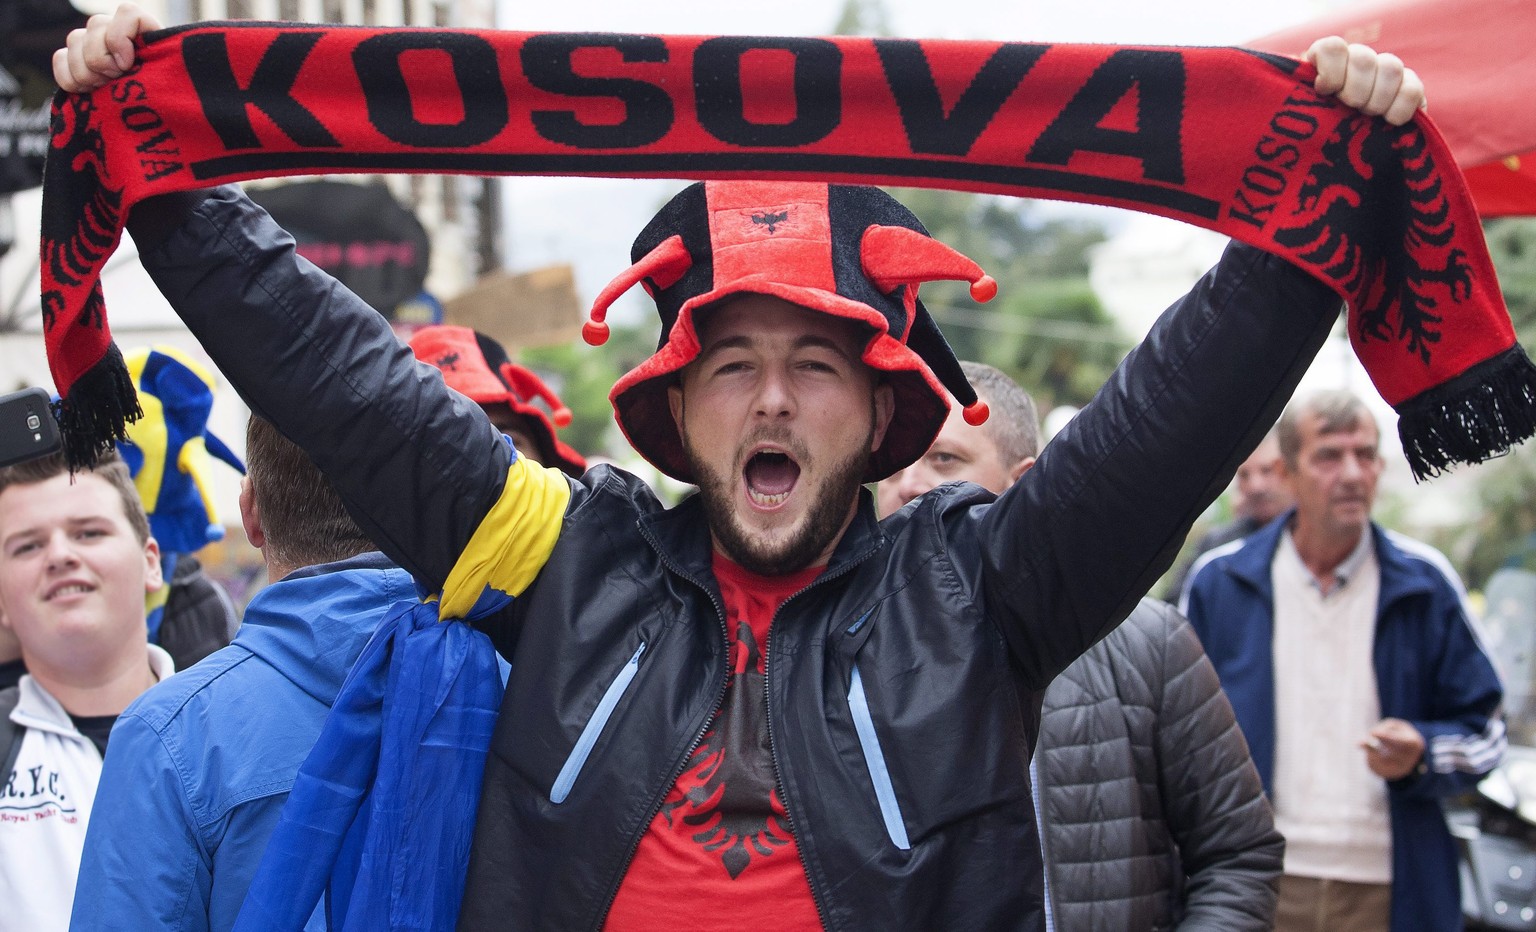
(250, 515)
(1286, 476)
(1020, 468)
(153, 577)
(885, 409)
(675, 403)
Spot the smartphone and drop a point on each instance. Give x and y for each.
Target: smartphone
(27, 427)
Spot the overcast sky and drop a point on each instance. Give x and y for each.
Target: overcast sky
(1180, 22)
(591, 222)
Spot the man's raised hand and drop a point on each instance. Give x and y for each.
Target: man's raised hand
(102, 50)
(1375, 83)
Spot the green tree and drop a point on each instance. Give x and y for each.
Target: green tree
(1512, 244)
(862, 18)
(586, 374)
(1506, 518)
(1506, 488)
(1046, 328)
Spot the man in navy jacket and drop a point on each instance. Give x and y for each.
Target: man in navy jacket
(1359, 679)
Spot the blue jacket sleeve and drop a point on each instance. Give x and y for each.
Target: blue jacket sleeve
(1087, 531)
(144, 865)
(1463, 729)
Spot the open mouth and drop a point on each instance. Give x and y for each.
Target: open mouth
(770, 476)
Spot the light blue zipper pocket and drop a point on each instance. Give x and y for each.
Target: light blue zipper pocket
(874, 758)
(589, 735)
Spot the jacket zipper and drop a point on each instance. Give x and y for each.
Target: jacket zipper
(874, 759)
(1036, 792)
(594, 729)
(661, 796)
(773, 748)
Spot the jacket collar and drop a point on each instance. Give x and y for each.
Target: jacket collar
(311, 624)
(1251, 562)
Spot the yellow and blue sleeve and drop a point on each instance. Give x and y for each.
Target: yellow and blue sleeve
(514, 539)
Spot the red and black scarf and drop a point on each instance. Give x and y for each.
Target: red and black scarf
(1232, 140)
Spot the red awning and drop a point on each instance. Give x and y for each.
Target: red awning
(1478, 62)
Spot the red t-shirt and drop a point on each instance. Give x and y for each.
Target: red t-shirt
(719, 854)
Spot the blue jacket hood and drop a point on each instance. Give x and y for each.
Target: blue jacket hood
(290, 624)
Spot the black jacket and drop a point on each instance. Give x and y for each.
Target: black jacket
(1152, 814)
(956, 611)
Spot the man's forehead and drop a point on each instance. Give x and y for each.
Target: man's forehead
(757, 317)
(958, 431)
(62, 498)
(1267, 450)
(1319, 431)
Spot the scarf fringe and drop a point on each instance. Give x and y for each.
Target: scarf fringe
(97, 410)
(1479, 414)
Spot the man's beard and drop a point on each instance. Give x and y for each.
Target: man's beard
(820, 525)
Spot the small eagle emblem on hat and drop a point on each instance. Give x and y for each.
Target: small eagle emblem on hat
(449, 362)
(771, 221)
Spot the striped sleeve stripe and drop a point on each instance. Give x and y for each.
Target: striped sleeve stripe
(514, 539)
(1478, 753)
(1423, 552)
(1199, 564)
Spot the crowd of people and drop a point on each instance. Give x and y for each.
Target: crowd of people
(941, 703)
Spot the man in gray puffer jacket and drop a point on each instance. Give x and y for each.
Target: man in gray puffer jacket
(1151, 813)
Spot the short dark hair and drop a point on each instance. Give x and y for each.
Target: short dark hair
(109, 466)
(1014, 424)
(1338, 409)
(302, 517)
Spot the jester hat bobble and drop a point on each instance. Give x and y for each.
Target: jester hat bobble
(851, 252)
(170, 450)
(477, 367)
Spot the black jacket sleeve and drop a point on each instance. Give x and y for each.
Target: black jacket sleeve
(418, 465)
(1072, 546)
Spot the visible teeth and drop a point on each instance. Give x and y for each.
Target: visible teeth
(762, 499)
(74, 589)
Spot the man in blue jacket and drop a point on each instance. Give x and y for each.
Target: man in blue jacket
(199, 768)
(1359, 678)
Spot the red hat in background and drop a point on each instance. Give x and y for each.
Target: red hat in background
(477, 367)
(851, 252)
